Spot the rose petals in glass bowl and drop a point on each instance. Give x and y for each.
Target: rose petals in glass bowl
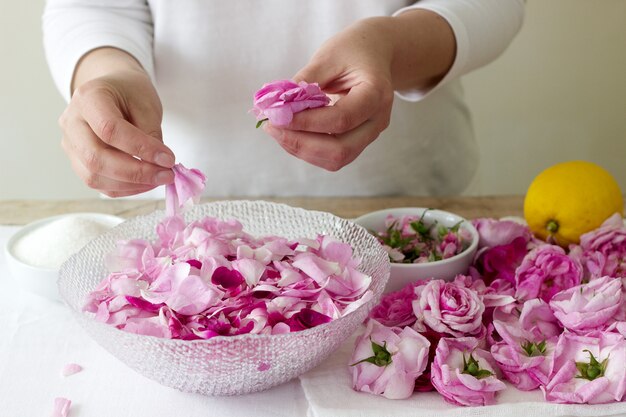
(227, 365)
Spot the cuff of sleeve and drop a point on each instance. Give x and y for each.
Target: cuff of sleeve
(64, 75)
(462, 49)
(81, 40)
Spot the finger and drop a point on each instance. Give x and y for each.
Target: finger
(104, 117)
(318, 71)
(115, 194)
(331, 152)
(361, 103)
(100, 159)
(107, 185)
(148, 119)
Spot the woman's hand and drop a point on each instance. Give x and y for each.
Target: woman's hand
(362, 66)
(112, 127)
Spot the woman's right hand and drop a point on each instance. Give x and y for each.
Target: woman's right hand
(112, 126)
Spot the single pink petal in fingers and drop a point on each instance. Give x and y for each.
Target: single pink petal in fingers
(71, 369)
(188, 185)
(61, 407)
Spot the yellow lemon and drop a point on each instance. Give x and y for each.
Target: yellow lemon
(569, 199)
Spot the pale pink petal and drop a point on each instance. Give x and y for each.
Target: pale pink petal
(250, 269)
(71, 369)
(314, 266)
(61, 407)
(188, 185)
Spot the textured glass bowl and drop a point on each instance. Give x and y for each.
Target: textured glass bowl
(225, 365)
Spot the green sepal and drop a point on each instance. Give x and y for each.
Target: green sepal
(593, 369)
(260, 122)
(381, 356)
(534, 349)
(472, 367)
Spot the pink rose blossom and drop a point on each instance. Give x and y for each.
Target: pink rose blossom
(499, 232)
(500, 262)
(498, 293)
(532, 320)
(396, 308)
(464, 374)
(588, 369)
(604, 249)
(588, 307)
(387, 360)
(278, 101)
(545, 271)
(528, 339)
(450, 308)
(538, 319)
(527, 365)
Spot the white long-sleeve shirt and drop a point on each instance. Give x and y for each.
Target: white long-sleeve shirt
(207, 58)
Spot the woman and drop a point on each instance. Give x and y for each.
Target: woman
(137, 74)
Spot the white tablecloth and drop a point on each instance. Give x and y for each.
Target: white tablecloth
(38, 337)
(329, 394)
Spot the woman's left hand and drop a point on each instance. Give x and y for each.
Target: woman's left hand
(360, 67)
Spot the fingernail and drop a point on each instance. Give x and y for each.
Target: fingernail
(164, 177)
(165, 160)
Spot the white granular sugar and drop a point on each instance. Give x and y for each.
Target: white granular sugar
(53, 243)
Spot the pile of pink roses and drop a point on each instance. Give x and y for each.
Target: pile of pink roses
(528, 312)
(210, 278)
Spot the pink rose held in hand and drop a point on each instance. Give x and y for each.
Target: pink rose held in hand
(278, 101)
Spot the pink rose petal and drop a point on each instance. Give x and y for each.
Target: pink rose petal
(71, 369)
(61, 407)
(188, 185)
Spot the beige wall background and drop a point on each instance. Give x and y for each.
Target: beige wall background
(558, 93)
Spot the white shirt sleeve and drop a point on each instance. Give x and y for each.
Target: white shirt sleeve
(482, 28)
(74, 27)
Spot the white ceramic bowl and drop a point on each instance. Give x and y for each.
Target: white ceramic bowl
(40, 280)
(402, 274)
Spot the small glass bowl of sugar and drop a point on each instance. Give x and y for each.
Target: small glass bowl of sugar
(36, 252)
